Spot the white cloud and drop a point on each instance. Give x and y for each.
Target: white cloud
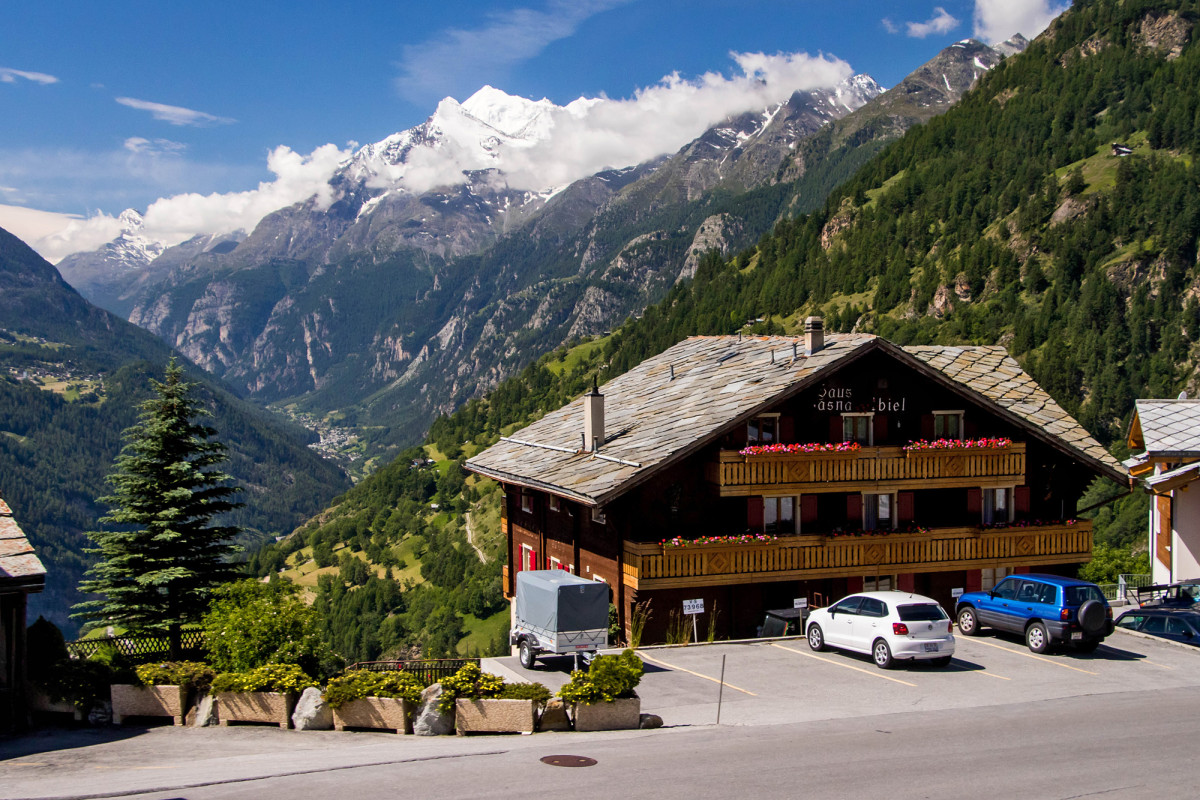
(176, 115)
(10, 76)
(140, 145)
(462, 58)
(75, 235)
(30, 224)
(940, 22)
(997, 20)
(889, 26)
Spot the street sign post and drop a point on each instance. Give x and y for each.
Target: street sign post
(694, 608)
(800, 602)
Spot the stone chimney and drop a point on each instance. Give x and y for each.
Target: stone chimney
(814, 335)
(593, 418)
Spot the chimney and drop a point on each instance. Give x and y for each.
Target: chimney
(593, 418)
(814, 335)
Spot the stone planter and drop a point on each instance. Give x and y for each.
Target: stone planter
(618, 715)
(386, 713)
(39, 702)
(494, 716)
(273, 707)
(149, 701)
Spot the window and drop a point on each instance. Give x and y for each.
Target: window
(847, 606)
(879, 512)
(879, 583)
(857, 428)
(1007, 589)
(598, 517)
(988, 577)
(763, 429)
(554, 503)
(997, 505)
(947, 424)
(922, 612)
(1130, 621)
(528, 558)
(527, 502)
(872, 607)
(779, 515)
(555, 563)
(1156, 625)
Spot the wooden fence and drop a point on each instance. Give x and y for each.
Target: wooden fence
(430, 670)
(140, 648)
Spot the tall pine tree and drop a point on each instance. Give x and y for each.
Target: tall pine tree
(160, 556)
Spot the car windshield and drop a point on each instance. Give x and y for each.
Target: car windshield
(922, 612)
(1078, 595)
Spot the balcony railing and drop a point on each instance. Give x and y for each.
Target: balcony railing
(653, 566)
(890, 468)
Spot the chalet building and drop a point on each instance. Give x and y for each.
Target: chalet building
(1168, 434)
(753, 471)
(21, 573)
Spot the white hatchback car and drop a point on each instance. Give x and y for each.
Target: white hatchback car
(888, 626)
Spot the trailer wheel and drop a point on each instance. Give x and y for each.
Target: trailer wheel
(527, 654)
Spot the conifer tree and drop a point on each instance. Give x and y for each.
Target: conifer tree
(160, 556)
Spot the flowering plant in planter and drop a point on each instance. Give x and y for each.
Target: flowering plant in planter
(360, 683)
(912, 528)
(608, 678)
(189, 674)
(740, 538)
(287, 678)
(810, 447)
(1025, 523)
(991, 443)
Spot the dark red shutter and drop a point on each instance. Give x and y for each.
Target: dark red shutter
(974, 501)
(904, 506)
(927, 426)
(754, 513)
(808, 509)
(835, 429)
(1021, 499)
(881, 428)
(787, 430)
(854, 508)
(970, 429)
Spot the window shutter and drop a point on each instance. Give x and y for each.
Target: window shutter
(881, 428)
(970, 429)
(854, 508)
(904, 506)
(1021, 499)
(808, 509)
(974, 501)
(835, 429)
(787, 430)
(754, 513)
(927, 426)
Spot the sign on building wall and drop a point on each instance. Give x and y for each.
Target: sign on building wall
(693, 606)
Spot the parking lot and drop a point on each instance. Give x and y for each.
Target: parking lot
(782, 681)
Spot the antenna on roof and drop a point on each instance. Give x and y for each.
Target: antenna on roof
(772, 356)
(795, 353)
(672, 372)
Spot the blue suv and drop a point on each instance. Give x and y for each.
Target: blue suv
(1045, 609)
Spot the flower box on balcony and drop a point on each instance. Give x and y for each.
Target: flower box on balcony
(379, 713)
(129, 700)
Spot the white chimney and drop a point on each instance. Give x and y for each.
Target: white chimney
(814, 335)
(593, 418)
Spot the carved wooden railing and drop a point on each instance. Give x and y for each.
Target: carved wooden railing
(871, 467)
(650, 566)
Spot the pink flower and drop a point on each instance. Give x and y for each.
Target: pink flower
(810, 447)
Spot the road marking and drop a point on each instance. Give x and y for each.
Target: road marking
(843, 664)
(983, 672)
(1034, 656)
(697, 674)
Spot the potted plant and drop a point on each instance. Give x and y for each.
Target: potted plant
(603, 698)
(381, 700)
(264, 694)
(164, 689)
(484, 703)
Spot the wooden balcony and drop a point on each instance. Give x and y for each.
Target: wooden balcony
(652, 566)
(882, 468)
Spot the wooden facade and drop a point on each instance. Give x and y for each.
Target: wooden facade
(748, 531)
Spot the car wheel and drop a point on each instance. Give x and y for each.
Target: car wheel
(940, 661)
(527, 656)
(1036, 637)
(968, 623)
(882, 654)
(816, 637)
(1087, 647)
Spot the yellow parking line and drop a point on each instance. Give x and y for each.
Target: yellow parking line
(983, 672)
(1035, 656)
(697, 674)
(843, 664)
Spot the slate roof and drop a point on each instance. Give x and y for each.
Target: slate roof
(1167, 428)
(18, 564)
(652, 420)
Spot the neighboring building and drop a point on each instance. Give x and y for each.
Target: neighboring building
(602, 486)
(1168, 433)
(20, 574)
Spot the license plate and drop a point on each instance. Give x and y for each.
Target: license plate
(582, 646)
(931, 647)
(1076, 636)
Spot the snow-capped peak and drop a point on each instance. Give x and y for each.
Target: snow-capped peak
(131, 222)
(504, 112)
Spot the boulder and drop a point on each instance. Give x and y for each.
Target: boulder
(312, 712)
(554, 717)
(430, 721)
(204, 713)
(650, 721)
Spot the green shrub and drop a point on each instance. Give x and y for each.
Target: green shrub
(360, 683)
(525, 691)
(84, 684)
(250, 624)
(470, 682)
(267, 678)
(191, 674)
(609, 678)
(119, 666)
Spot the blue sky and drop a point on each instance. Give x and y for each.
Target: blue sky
(107, 106)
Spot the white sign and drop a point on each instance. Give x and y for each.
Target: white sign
(800, 602)
(693, 606)
(956, 593)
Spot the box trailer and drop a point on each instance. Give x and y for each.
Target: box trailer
(557, 612)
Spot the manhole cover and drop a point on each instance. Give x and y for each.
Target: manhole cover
(569, 761)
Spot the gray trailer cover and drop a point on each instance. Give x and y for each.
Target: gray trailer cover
(556, 600)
